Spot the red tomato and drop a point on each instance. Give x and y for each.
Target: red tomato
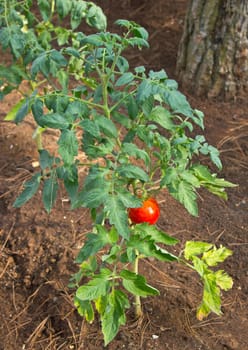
(149, 212)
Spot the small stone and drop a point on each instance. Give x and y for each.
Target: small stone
(155, 336)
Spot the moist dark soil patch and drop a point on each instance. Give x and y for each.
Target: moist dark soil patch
(37, 250)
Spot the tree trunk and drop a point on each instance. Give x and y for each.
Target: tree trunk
(213, 52)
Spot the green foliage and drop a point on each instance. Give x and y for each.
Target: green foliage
(135, 129)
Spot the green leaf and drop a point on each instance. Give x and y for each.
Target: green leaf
(213, 152)
(144, 246)
(45, 8)
(122, 64)
(95, 189)
(139, 70)
(17, 42)
(198, 117)
(155, 234)
(136, 284)
(85, 309)
(125, 79)
(106, 126)
(114, 315)
(63, 7)
(40, 64)
(128, 199)
(163, 255)
(70, 178)
(132, 150)
(96, 18)
(189, 177)
(23, 111)
(185, 194)
(63, 79)
(206, 177)
(94, 242)
(117, 214)
(68, 146)
(132, 107)
(46, 160)
(91, 127)
(5, 36)
(211, 182)
(30, 188)
(111, 257)
(95, 288)
(140, 42)
(57, 57)
(170, 177)
(123, 23)
(147, 248)
(93, 198)
(77, 110)
(144, 90)
(195, 248)
(178, 103)
(215, 156)
(214, 256)
(132, 172)
(72, 51)
(77, 13)
(158, 76)
(37, 110)
(140, 32)
(163, 117)
(49, 193)
(54, 121)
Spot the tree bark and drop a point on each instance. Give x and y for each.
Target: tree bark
(213, 52)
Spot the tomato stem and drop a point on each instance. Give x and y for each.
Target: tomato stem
(138, 309)
(38, 140)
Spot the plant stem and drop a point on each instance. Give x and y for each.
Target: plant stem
(38, 140)
(138, 309)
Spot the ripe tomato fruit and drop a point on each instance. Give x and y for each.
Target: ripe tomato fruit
(149, 212)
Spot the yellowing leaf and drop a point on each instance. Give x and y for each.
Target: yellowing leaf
(196, 248)
(215, 256)
(223, 280)
(12, 113)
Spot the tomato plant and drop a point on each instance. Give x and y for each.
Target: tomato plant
(137, 131)
(149, 212)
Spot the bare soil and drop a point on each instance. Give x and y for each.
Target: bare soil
(37, 250)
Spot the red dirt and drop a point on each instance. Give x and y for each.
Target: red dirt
(37, 250)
